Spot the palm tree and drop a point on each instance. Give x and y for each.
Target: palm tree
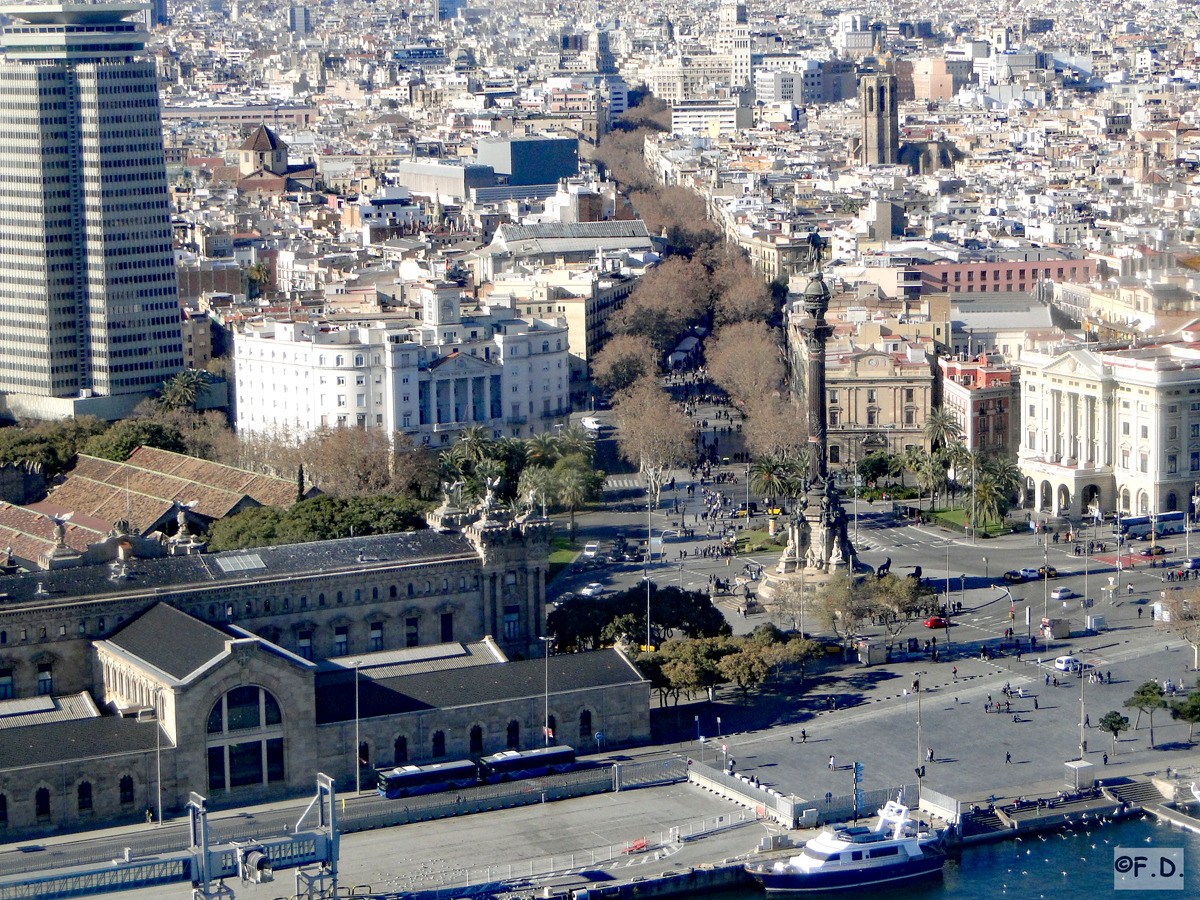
(476, 443)
(1005, 473)
(941, 428)
(542, 450)
(258, 275)
(990, 503)
(767, 477)
(572, 492)
(539, 483)
(958, 458)
(574, 440)
(181, 390)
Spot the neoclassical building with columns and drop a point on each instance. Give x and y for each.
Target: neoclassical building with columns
(1110, 429)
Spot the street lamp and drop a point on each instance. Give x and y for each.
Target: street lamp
(357, 740)
(158, 746)
(546, 709)
(917, 687)
(1082, 714)
(985, 567)
(962, 588)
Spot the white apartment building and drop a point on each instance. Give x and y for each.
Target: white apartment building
(1108, 429)
(426, 382)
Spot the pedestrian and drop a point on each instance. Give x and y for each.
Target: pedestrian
(1035, 706)
(831, 763)
(803, 736)
(1047, 679)
(1105, 759)
(149, 815)
(791, 739)
(1139, 612)
(1008, 759)
(929, 754)
(1087, 720)
(954, 672)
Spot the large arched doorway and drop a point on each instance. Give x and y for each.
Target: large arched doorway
(1172, 502)
(1064, 500)
(1092, 499)
(514, 735)
(245, 740)
(1047, 500)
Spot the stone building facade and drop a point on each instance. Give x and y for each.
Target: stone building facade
(236, 674)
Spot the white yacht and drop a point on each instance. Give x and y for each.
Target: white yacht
(843, 856)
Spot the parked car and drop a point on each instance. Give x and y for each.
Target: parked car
(565, 596)
(591, 549)
(1156, 550)
(1047, 571)
(1014, 577)
(937, 622)
(590, 423)
(595, 589)
(1031, 573)
(1067, 663)
(1193, 562)
(1062, 594)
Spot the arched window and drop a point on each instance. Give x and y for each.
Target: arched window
(552, 732)
(126, 789)
(400, 751)
(514, 735)
(545, 346)
(439, 743)
(339, 596)
(41, 804)
(476, 741)
(245, 739)
(3, 811)
(320, 599)
(585, 724)
(429, 587)
(462, 582)
(3, 637)
(85, 796)
(445, 585)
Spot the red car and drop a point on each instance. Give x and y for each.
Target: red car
(937, 622)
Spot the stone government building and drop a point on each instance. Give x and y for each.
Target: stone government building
(240, 666)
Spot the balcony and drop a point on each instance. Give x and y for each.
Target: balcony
(516, 420)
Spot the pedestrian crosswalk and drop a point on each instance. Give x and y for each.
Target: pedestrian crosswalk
(624, 482)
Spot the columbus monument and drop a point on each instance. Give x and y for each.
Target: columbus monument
(818, 545)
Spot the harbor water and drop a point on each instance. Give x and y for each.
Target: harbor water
(1046, 866)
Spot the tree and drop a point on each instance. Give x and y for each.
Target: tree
(768, 476)
(740, 292)
(1114, 723)
(181, 390)
(874, 466)
(941, 428)
(541, 449)
(1180, 619)
(622, 361)
(414, 470)
(654, 434)
(744, 359)
(959, 459)
(895, 602)
(126, 436)
(300, 483)
(670, 298)
(1188, 710)
(775, 427)
(693, 664)
(1146, 699)
(1005, 473)
(843, 604)
(679, 212)
(789, 602)
(747, 668)
(538, 485)
(991, 504)
(572, 488)
(345, 462)
(258, 276)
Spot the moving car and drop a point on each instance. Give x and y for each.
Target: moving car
(595, 589)
(1062, 594)
(1067, 663)
(1192, 563)
(1031, 573)
(1047, 571)
(937, 622)
(1156, 550)
(591, 549)
(590, 423)
(1014, 577)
